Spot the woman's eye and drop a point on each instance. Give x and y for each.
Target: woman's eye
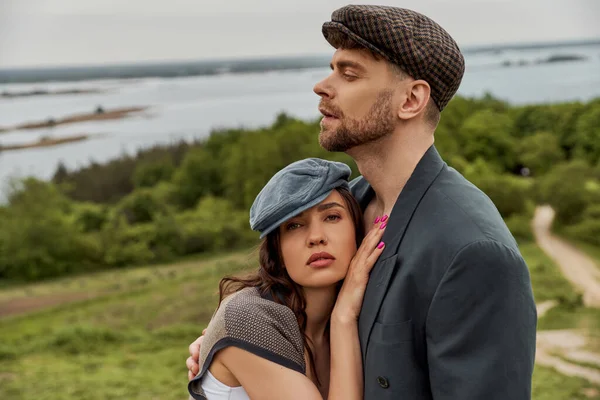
(333, 217)
(292, 226)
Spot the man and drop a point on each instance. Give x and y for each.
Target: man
(449, 311)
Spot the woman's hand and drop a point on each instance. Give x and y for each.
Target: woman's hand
(192, 363)
(349, 301)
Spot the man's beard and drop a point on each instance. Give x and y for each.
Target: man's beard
(378, 123)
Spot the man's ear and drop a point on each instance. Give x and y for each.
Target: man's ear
(415, 100)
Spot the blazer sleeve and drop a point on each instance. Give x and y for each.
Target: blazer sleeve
(481, 326)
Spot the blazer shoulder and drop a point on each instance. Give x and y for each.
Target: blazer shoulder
(466, 206)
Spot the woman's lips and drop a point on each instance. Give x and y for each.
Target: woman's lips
(320, 260)
(322, 263)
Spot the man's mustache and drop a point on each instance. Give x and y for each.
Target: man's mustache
(331, 109)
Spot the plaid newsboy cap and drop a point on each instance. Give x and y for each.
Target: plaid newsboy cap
(404, 37)
(294, 189)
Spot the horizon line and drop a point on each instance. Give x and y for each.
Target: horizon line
(473, 48)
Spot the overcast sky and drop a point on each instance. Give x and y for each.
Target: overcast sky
(78, 32)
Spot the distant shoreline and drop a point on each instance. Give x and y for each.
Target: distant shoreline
(185, 68)
(32, 93)
(44, 142)
(99, 115)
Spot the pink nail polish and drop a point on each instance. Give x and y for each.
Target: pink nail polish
(383, 225)
(376, 220)
(384, 218)
(380, 245)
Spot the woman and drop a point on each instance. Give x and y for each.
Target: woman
(290, 330)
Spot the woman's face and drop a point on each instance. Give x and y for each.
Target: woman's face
(318, 245)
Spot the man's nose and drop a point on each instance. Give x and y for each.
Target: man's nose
(324, 89)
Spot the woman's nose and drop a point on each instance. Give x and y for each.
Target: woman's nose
(316, 237)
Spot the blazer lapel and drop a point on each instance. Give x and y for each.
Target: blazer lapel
(421, 179)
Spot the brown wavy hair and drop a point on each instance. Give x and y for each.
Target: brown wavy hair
(272, 279)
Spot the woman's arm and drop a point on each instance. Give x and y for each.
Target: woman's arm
(264, 379)
(346, 379)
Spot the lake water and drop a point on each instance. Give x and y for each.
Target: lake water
(189, 107)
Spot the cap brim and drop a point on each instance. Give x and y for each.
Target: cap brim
(297, 211)
(338, 27)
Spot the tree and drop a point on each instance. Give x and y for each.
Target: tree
(38, 236)
(61, 173)
(564, 188)
(540, 152)
(510, 194)
(148, 174)
(588, 135)
(487, 134)
(200, 174)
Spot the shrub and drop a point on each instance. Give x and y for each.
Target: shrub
(564, 188)
(487, 134)
(588, 230)
(139, 207)
(39, 239)
(215, 225)
(520, 227)
(90, 217)
(124, 244)
(509, 193)
(148, 174)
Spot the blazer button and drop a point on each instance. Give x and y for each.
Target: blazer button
(383, 382)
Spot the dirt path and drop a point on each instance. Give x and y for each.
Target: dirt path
(545, 306)
(576, 266)
(565, 350)
(562, 350)
(23, 305)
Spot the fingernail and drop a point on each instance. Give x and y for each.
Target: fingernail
(380, 245)
(384, 218)
(376, 220)
(383, 225)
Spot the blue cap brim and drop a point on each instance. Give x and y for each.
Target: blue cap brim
(294, 213)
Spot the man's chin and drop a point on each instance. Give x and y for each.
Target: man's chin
(330, 144)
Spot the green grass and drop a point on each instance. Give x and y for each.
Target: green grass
(546, 279)
(115, 280)
(550, 385)
(131, 342)
(566, 317)
(126, 345)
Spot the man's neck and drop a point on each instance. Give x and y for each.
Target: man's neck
(388, 164)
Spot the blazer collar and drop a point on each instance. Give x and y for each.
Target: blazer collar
(423, 176)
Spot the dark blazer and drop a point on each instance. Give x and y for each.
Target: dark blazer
(448, 313)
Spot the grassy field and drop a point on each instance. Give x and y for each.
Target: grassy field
(128, 339)
(130, 343)
(547, 281)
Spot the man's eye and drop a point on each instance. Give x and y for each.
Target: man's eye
(350, 77)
